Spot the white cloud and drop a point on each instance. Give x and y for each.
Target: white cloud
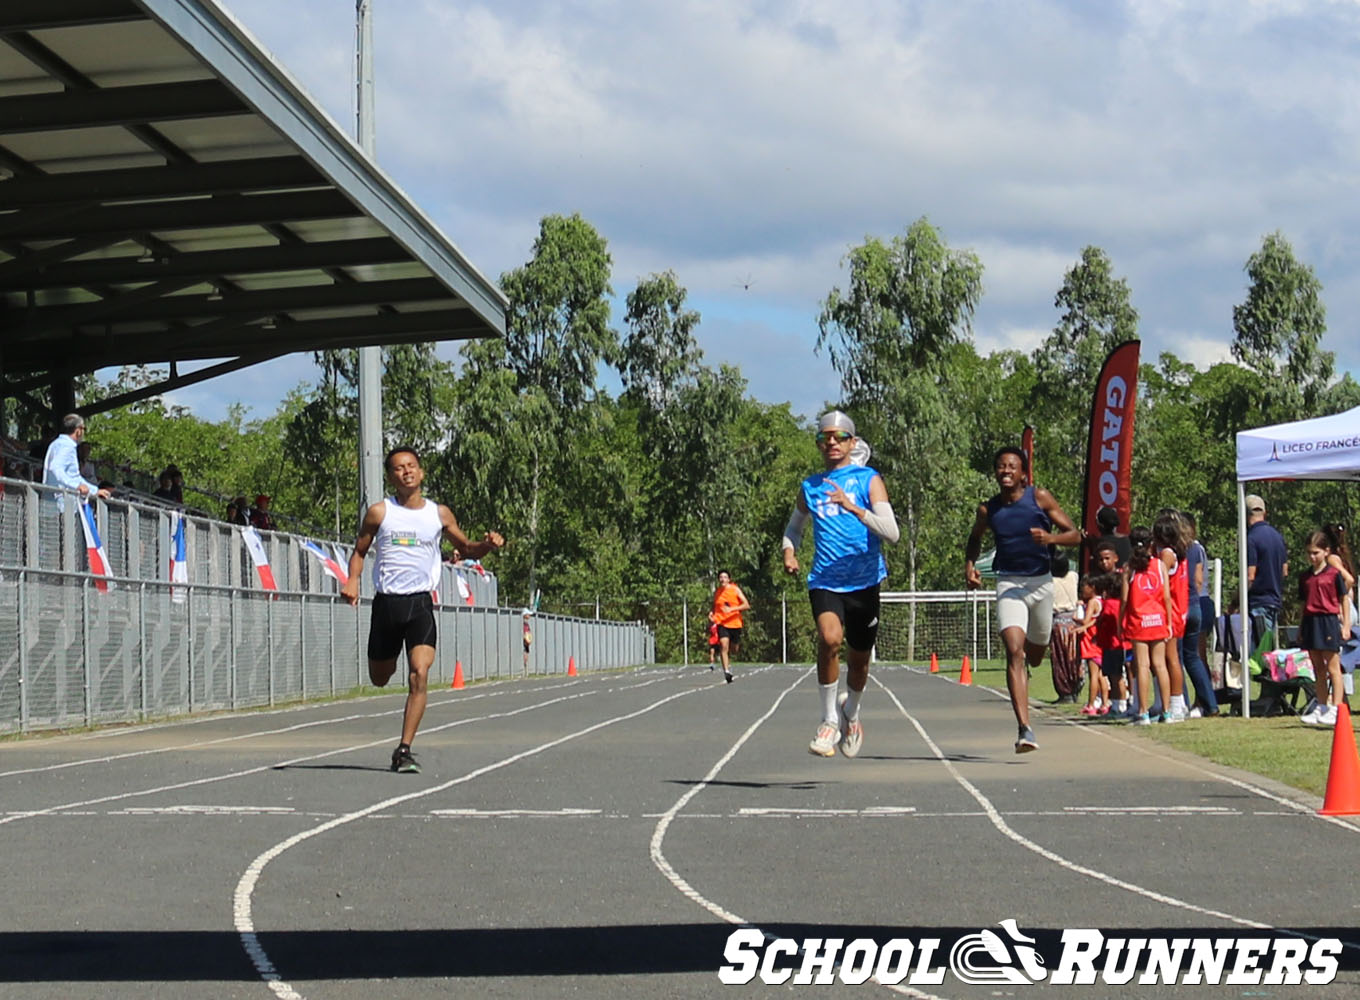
(751, 143)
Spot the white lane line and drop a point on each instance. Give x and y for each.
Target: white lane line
(187, 810)
(196, 782)
(1005, 829)
(66, 807)
(828, 813)
(1153, 810)
(498, 813)
(680, 883)
(242, 906)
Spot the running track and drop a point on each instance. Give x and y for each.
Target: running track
(602, 836)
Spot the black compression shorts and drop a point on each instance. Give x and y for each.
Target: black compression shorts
(857, 610)
(400, 620)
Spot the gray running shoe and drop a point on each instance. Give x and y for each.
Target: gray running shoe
(1026, 743)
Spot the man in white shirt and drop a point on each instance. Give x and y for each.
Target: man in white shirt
(61, 467)
(406, 530)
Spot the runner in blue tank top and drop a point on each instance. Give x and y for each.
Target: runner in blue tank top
(849, 509)
(1022, 519)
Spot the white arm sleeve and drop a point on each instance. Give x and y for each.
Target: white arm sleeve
(793, 531)
(881, 521)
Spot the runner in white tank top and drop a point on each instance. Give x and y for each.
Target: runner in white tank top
(406, 528)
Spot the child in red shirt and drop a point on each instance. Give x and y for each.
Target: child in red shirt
(1326, 621)
(1147, 619)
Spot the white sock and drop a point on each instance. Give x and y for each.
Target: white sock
(852, 703)
(828, 692)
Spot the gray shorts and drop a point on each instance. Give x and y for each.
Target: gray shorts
(1026, 602)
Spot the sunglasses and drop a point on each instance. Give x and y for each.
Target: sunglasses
(824, 437)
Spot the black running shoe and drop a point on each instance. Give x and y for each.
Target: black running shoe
(729, 678)
(404, 762)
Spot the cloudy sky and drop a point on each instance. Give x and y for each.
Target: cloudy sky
(747, 144)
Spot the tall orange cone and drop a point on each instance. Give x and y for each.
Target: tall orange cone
(571, 666)
(966, 675)
(934, 664)
(1343, 776)
(457, 675)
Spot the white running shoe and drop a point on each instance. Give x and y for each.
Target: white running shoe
(824, 743)
(1327, 716)
(1195, 713)
(852, 733)
(1311, 714)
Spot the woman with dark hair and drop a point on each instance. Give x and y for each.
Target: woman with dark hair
(1146, 605)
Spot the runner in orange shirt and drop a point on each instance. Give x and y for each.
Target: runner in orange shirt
(728, 604)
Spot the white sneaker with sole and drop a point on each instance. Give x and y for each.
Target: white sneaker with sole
(1327, 716)
(824, 743)
(1312, 715)
(852, 733)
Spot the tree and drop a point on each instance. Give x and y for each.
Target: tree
(1097, 316)
(531, 390)
(889, 337)
(1279, 329)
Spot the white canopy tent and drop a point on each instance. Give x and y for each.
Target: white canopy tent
(1320, 448)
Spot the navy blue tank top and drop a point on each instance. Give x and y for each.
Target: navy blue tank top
(1017, 554)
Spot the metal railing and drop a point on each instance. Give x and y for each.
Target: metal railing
(79, 650)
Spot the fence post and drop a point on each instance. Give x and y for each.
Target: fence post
(269, 644)
(302, 643)
(23, 634)
(141, 641)
(684, 627)
(784, 627)
(231, 632)
(85, 647)
(189, 610)
(330, 631)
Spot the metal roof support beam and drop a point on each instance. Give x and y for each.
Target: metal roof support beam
(118, 106)
(192, 213)
(176, 382)
(204, 264)
(274, 300)
(38, 15)
(12, 272)
(221, 177)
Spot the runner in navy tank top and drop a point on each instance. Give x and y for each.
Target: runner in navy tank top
(1024, 520)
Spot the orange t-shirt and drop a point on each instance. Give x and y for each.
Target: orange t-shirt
(729, 596)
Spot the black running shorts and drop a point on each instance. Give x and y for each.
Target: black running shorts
(857, 610)
(400, 619)
(732, 635)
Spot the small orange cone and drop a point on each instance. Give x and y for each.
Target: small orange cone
(571, 666)
(934, 664)
(457, 675)
(966, 675)
(1343, 776)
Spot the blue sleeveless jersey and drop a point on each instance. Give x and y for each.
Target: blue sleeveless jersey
(1017, 554)
(848, 555)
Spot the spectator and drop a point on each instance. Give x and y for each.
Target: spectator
(1062, 644)
(260, 517)
(166, 490)
(238, 511)
(1108, 520)
(61, 467)
(528, 636)
(1267, 566)
(87, 470)
(176, 482)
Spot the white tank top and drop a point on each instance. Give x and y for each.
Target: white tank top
(407, 559)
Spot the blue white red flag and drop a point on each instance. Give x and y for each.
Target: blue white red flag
(329, 562)
(179, 556)
(255, 546)
(464, 591)
(94, 545)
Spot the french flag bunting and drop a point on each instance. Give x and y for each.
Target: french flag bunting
(464, 591)
(255, 545)
(179, 557)
(94, 545)
(477, 565)
(329, 562)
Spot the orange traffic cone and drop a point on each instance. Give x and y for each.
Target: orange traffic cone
(457, 675)
(1343, 776)
(571, 666)
(966, 675)
(934, 664)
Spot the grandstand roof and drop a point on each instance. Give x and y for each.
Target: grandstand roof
(169, 194)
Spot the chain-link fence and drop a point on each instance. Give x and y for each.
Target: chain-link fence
(76, 649)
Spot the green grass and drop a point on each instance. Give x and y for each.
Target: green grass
(1282, 748)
